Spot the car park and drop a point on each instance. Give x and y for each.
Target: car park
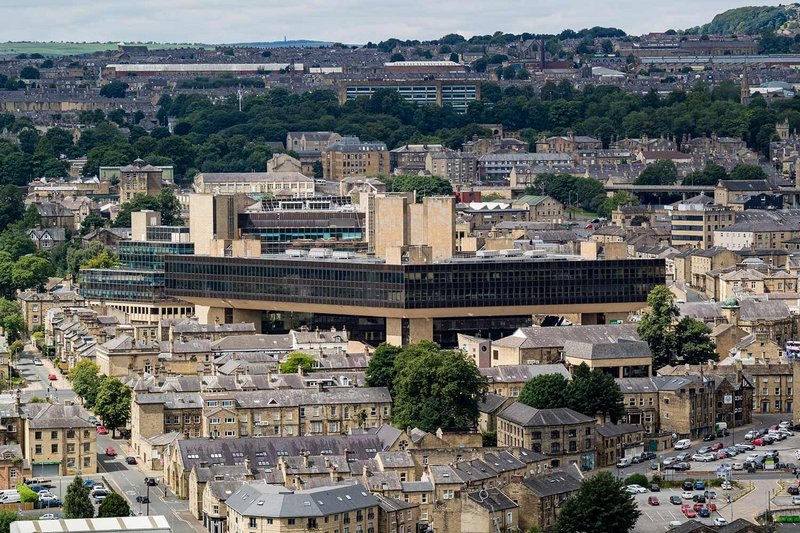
(675, 500)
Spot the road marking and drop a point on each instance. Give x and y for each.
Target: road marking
(130, 492)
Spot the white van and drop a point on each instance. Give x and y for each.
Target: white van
(683, 444)
(10, 496)
(8, 492)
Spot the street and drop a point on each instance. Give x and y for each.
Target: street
(127, 480)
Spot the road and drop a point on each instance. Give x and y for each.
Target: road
(127, 480)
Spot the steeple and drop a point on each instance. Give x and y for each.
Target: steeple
(745, 96)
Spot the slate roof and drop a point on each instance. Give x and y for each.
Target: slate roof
(552, 483)
(492, 500)
(491, 403)
(526, 415)
(518, 373)
(259, 499)
(554, 337)
(745, 185)
(252, 342)
(614, 430)
(56, 416)
(622, 349)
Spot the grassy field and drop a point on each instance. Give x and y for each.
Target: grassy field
(66, 49)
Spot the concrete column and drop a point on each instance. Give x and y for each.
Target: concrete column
(420, 329)
(209, 315)
(394, 331)
(248, 315)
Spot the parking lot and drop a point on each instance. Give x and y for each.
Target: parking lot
(657, 518)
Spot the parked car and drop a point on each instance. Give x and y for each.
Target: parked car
(697, 507)
(699, 485)
(700, 457)
(682, 466)
(89, 483)
(699, 498)
(711, 506)
(683, 444)
(636, 489)
(101, 430)
(142, 499)
(111, 452)
(52, 377)
(703, 512)
(793, 490)
(624, 462)
(99, 498)
(795, 500)
(737, 466)
(675, 500)
(719, 521)
(37, 488)
(716, 446)
(653, 465)
(655, 488)
(669, 460)
(758, 442)
(152, 481)
(709, 437)
(37, 362)
(652, 500)
(687, 485)
(47, 516)
(686, 495)
(688, 512)
(130, 460)
(726, 485)
(683, 456)
(647, 456)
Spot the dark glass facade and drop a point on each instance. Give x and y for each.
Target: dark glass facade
(122, 285)
(150, 255)
(459, 283)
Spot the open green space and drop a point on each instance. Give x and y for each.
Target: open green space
(65, 49)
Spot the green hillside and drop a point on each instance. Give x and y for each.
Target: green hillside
(68, 49)
(752, 20)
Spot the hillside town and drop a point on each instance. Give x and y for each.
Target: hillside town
(490, 284)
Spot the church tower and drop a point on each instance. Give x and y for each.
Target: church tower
(745, 96)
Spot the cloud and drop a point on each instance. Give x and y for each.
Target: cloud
(350, 21)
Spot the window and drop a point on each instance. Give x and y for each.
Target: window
(214, 421)
(12, 473)
(86, 447)
(573, 433)
(252, 522)
(537, 435)
(555, 447)
(87, 461)
(448, 494)
(230, 420)
(215, 509)
(70, 448)
(290, 521)
(333, 427)
(588, 432)
(38, 435)
(38, 448)
(54, 448)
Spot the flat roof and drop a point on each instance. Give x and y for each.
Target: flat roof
(126, 523)
(201, 67)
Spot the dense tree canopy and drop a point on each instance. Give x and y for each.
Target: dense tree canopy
(602, 505)
(422, 185)
(114, 505)
(113, 403)
(77, 503)
(296, 361)
(435, 388)
(85, 378)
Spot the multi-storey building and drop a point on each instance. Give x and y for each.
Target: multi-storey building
(59, 441)
(352, 157)
(564, 435)
(277, 184)
(457, 93)
(615, 441)
(695, 220)
(456, 167)
(139, 178)
(34, 305)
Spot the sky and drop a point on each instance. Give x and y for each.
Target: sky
(348, 21)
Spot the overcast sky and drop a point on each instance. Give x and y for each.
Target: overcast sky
(350, 21)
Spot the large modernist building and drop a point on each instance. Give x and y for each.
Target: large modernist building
(410, 286)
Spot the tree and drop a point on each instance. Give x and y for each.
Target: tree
(29, 73)
(11, 320)
(26, 494)
(743, 171)
(105, 259)
(113, 403)
(619, 199)
(436, 388)
(637, 479)
(296, 361)
(85, 377)
(422, 185)
(546, 391)
(165, 203)
(11, 205)
(31, 272)
(8, 516)
(601, 505)
(115, 89)
(381, 370)
(693, 344)
(318, 170)
(113, 505)
(77, 503)
(663, 172)
(655, 326)
(594, 392)
(397, 56)
(31, 218)
(92, 220)
(454, 57)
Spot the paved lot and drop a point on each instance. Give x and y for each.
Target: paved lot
(657, 518)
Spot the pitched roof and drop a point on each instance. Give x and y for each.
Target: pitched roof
(552, 337)
(259, 499)
(518, 373)
(556, 482)
(525, 415)
(622, 349)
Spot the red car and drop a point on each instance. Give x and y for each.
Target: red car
(589, 226)
(111, 452)
(688, 512)
(52, 377)
(757, 442)
(712, 506)
(101, 430)
(652, 500)
(698, 506)
(717, 446)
